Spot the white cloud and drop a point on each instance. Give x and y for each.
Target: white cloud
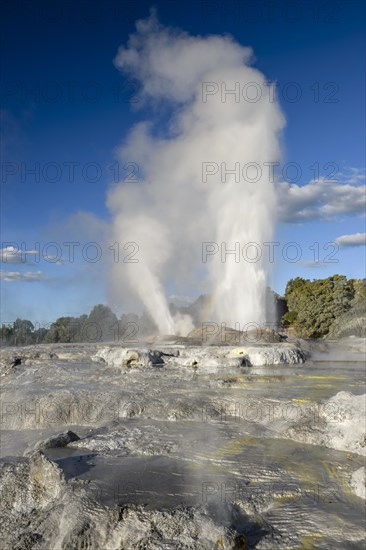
(320, 200)
(28, 277)
(356, 239)
(354, 175)
(16, 255)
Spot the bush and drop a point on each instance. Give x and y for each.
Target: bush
(314, 307)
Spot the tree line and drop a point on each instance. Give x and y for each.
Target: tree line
(101, 325)
(331, 307)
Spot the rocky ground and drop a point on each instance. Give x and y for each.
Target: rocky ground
(180, 444)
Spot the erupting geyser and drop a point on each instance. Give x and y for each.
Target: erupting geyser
(212, 118)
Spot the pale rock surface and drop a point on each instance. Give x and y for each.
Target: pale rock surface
(358, 482)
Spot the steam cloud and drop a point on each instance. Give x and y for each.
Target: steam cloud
(172, 211)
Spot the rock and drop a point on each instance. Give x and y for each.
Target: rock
(339, 423)
(59, 440)
(129, 358)
(27, 356)
(45, 356)
(40, 509)
(32, 482)
(282, 354)
(358, 482)
(128, 441)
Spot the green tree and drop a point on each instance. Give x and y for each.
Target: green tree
(6, 335)
(63, 330)
(101, 325)
(22, 332)
(314, 305)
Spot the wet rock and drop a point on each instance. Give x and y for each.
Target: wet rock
(209, 358)
(172, 353)
(40, 509)
(339, 423)
(184, 527)
(358, 482)
(45, 356)
(32, 482)
(127, 358)
(27, 356)
(59, 440)
(128, 441)
(155, 358)
(284, 354)
(344, 416)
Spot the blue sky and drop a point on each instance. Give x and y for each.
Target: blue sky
(81, 111)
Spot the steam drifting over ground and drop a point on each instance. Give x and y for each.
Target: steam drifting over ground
(173, 212)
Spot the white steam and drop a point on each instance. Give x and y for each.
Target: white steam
(172, 211)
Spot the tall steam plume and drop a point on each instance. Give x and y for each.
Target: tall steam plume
(173, 210)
